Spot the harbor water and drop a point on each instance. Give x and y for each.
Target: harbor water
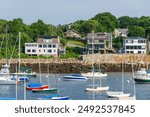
(76, 89)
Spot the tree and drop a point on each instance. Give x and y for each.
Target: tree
(144, 23)
(2, 25)
(108, 21)
(126, 21)
(89, 26)
(147, 32)
(38, 28)
(136, 31)
(117, 42)
(17, 26)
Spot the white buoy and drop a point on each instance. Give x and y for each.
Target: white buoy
(127, 81)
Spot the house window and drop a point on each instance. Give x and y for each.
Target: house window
(131, 51)
(127, 47)
(33, 50)
(44, 46)
(54, 46)
(135, 47)
(96, 46)
(39, 50)
(139, 51)
(131, 47)
(40, 46)
(49, 46)
(44, 50)
(126, 41)
(139, 47)
(54, 50)
(28, 50)
(49, 51)
(101, 46)
(101, 41)
(130, 41)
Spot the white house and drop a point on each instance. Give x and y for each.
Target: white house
(135, 45)
(121, 32)
(46, 45)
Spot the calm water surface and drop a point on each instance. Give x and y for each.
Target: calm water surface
(76, 89)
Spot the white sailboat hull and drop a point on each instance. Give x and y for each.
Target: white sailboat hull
(117, 94)
(97, 89)
(7, 82)
(5, 79)
(96, 74)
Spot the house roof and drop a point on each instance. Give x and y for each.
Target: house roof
(105, 36)
(123, 30)
(47, 37)
(71, 30)
(136, 38)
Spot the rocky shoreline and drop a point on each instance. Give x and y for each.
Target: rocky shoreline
(111, 63)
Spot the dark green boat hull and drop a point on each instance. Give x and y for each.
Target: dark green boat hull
(45, 91)
(142, 80)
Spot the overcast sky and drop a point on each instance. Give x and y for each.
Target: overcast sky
(66, 11)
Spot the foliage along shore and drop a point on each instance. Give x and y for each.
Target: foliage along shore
(108, 62)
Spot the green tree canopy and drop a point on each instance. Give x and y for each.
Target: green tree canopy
(136, 31)
(38, 28)
(89, 26)
(108, 21)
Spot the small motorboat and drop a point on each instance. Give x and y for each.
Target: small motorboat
(75, 77)
(60, 98)
(46, 90)
(36, 86)
(20, 78)
(117, 94)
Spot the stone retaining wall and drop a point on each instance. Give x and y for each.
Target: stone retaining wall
(109, 62)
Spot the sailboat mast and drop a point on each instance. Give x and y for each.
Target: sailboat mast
(93, 62)
(6, 31)
(99, 68)
(134, 90)
(122, 76)
(19, 50)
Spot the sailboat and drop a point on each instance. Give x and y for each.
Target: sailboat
(97, 88)
(119, 94)
(58, 97)
(4, 72)
(23, 77)
(49, 89)
(37, 86)
(97, 74)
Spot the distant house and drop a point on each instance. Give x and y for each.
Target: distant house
(99, 42)
(72, 34)
(121, 32)
(45, 45)
(135, 45)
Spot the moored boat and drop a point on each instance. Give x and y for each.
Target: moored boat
(97, 89)
(5, 78)
(46, 90)
(117, 94)
(75, 77)
(142, 76)
(60, 98)
(96, 74)
(20, 78)
(36, 86)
